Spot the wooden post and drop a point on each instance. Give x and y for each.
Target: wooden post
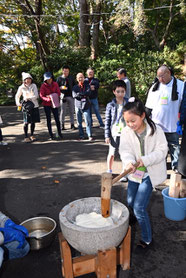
(174, 186)
(106, 185)
(106, 263)
(124, 251)
(67, 270)
(183, 189)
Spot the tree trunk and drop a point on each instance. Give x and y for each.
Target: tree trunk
(35, 29)
(95, 32)
(84, 37)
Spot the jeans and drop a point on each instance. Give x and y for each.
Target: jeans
(70, 102)
(13, 252)
(138, 195)
(86, 114)
(174, 148)
(95, 106)
(48, 110)
(1, 256)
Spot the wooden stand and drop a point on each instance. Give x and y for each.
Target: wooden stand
(104, 264)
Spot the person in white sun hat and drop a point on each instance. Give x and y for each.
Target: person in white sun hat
(27, 98)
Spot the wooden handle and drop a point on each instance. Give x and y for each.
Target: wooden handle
(124, 174)
(106, 185)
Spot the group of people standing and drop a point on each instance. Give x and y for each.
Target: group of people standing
(81, 96)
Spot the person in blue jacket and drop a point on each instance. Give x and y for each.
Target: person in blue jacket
(81, 93)
(114, 121)
(13, 242)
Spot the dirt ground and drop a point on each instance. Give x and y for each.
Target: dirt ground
(40, 178)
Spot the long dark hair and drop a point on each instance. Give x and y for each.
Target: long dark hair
(137, 107)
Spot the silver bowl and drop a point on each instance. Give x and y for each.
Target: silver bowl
(41, 231)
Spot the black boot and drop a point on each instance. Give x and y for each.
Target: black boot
(73, 127)
(63, 127)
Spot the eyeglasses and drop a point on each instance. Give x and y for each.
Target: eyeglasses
(161, 76)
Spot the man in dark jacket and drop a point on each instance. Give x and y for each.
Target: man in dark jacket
(66, 83)
(94, 86)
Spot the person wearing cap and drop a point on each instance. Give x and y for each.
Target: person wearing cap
(122, 75)
(163, 103)
(28, 93)
(50, 94)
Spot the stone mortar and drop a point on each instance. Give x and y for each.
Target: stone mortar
(90, 240)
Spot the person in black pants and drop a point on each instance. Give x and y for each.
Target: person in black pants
(50, 93)
(2, 143)
(182, 124)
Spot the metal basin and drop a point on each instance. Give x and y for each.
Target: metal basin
(41, 231)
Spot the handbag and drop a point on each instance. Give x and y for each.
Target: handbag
(27, 106)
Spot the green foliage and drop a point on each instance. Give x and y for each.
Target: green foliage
(130, 34)
(76, 58)
(141, 67)
(105, 95)
(37, 74)
(5, 100)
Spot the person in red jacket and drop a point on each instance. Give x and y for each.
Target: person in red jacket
(50, 93)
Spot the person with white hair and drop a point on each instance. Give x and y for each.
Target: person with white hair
(27, 98)
(163, 104)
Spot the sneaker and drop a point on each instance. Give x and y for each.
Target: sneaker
(102, 126)
(32, 138)
(109, 171)
(60, 137)
(81, 138)
(3, 143)
(27, 140)
(175, 171)
(90, 139)
(124, 179)
(73, 127)
(142, 247)
(51, 138)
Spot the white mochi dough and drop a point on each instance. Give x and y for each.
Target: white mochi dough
(93, 220)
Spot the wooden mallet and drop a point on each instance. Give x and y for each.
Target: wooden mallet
(106, 185)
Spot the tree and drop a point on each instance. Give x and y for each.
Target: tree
(148, 17)
(84, 36)
(96, 9)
